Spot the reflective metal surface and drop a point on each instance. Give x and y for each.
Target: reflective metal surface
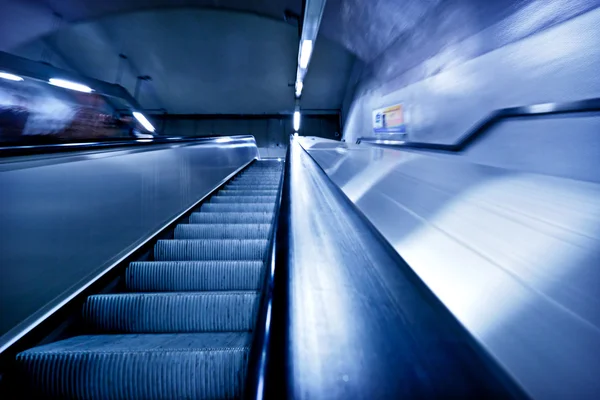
(466, 58)
(64, 220)
(477, 131)
(360, 324)
(513, 255)
(22, 150)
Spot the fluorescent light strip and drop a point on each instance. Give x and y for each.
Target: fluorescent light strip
(299, 87)
(144, 121)
(10, 77)
(70, 85)
(305, 53)
(296, 121)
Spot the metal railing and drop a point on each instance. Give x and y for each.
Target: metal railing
(49, 148)
(482, 127)
(272, 315)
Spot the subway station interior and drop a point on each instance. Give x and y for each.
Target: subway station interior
(300, 199)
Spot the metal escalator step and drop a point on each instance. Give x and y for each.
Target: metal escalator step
(246, 207)
(210, 249)
(171, 312)
(241, 192)
(233, 186)
(261, 181)
(243, 199)
(182, 276)
(232, 218)
(138, 367)
(222, 231)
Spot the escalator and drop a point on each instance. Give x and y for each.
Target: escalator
(182, 328)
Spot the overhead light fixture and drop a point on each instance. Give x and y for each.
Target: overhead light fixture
(70, 85)
(295, 134)
(299, 87)
(305, 53)
(296, 121)
(10, 77)
(144, 121)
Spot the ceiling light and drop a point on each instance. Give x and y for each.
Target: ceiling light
(305, 53)
(70, 85)
(299, 87)
(10, 77)
(296, 120)
(142, 120)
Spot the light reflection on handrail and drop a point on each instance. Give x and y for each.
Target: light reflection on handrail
(478, 130)
(18, 150)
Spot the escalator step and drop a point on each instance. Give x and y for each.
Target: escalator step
(243, 199)
(247, 207)
(210, 249)
(231, 192)
(171, 312)
(139, 367)
(232, 218)
(222, 231)
(234, 186)
(182, 276)
(256, 181)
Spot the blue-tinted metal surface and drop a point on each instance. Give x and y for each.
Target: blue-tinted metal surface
(31, 149)
(64, 220)
(482, 127)
(513, 255)
(360, 324)
(468, 58)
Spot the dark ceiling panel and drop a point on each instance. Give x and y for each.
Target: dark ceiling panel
(202, 61)
(22, 21)
(77, 10)
(328, 75)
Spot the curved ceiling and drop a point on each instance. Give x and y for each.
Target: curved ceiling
(202, 61)
(365, 28)
(24, 20)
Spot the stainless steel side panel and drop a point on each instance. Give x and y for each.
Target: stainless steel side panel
(514, 256)
(63, 220)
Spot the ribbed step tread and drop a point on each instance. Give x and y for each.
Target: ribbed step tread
(242, 192)
(257, 181)
(210, 249)
(165, 366)
(247, 207)
(232, 218)
(171, 312)
(243, 199)
(182, 276)
(250, 185)
(222, 231)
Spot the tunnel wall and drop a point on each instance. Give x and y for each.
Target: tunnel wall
(468, 58)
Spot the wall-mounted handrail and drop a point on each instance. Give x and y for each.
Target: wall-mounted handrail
(24, 150)
(480, 128)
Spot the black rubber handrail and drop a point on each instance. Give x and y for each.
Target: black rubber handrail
(50, 148)
(479, 129)
(268, 322)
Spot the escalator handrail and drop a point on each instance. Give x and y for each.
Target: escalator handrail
(480, 128)
(50, 148)
(267, 320)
